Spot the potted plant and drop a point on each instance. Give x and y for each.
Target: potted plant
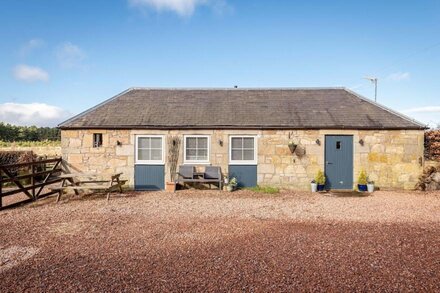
(314, 185)
(370, 186)
(320, 180)
(362, 181)
(231, 184)
(292, 146)
(173, 157)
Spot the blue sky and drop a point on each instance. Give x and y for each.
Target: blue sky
(58, 58)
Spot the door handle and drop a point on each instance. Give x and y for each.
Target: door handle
(328, 163)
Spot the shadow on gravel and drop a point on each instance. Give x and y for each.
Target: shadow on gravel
(347, 194)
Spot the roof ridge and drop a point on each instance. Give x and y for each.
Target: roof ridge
(243, 88)
(412, 120)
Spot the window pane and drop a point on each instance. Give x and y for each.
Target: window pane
(202, 142)
(191, 154)
(202, 155)
(156, 143)
(156, 155)
(236, 155)
(236, 142)
(248, 142)
(143, 154)
(143, 142)
(248, 155)
(191, 142)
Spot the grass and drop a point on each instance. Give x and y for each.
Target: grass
(44, 143)
(264, 189)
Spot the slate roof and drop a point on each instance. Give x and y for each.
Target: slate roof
(319, 108)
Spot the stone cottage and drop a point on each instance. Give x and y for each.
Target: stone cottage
(246, 132)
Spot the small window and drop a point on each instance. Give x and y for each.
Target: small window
(97, 140)
(149, 149)
(197, 149)
(242, 150)
(338, 145)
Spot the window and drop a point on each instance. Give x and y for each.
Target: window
(338, 145)
(197, 149)
(97, 140)
(149, 150)
(243, 150)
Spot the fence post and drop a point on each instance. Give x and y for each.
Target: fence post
(32, 178)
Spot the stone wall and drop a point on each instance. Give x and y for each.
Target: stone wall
(391, 158)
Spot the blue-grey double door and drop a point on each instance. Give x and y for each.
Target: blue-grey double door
(149, 177)
(339, 161)
(246, 175)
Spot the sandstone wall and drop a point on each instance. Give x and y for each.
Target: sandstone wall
(391, 158)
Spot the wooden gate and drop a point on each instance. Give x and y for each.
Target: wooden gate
(40, 173)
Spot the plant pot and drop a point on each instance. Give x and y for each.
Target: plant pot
(314, 187)
(362, 187)
(370, 187)
(170, 187)
(321, 187)
(229, 188)
(292, 148)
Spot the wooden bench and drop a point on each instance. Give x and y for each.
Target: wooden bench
(211, 175)
(73, 183)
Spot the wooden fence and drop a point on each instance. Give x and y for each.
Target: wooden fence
(29, 178)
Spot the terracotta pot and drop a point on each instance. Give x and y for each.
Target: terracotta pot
(170, 187)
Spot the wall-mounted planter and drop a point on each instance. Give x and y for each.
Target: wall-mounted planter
(300, 151)
(292, 148)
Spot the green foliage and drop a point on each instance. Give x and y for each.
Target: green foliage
(265, 189)
(232, 182)
(11, 133)
(320, 178)
(362, 179)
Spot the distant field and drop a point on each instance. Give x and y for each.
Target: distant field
(7, 144)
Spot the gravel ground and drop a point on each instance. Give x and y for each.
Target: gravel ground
(217, 241)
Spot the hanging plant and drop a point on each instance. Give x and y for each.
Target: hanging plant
(292, 146)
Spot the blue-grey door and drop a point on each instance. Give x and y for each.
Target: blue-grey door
(339, 161)
(149, 177)
(246, 175)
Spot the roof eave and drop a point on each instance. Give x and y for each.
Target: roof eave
(236, 127)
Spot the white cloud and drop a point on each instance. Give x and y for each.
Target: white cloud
(70, 55)
(29, 73)
(399, 76)
(428, 109)
(31, 45)
(429, 115)
(182, 7)
(38, 114)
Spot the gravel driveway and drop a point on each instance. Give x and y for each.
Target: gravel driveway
(217, 241)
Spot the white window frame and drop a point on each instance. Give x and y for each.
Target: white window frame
(149, 162)
(189, 162)
(244, 162)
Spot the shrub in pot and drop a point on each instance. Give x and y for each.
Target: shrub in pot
(370, 186)
(231, 184)
(362, 181)
(320, 180)
(314, 186)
